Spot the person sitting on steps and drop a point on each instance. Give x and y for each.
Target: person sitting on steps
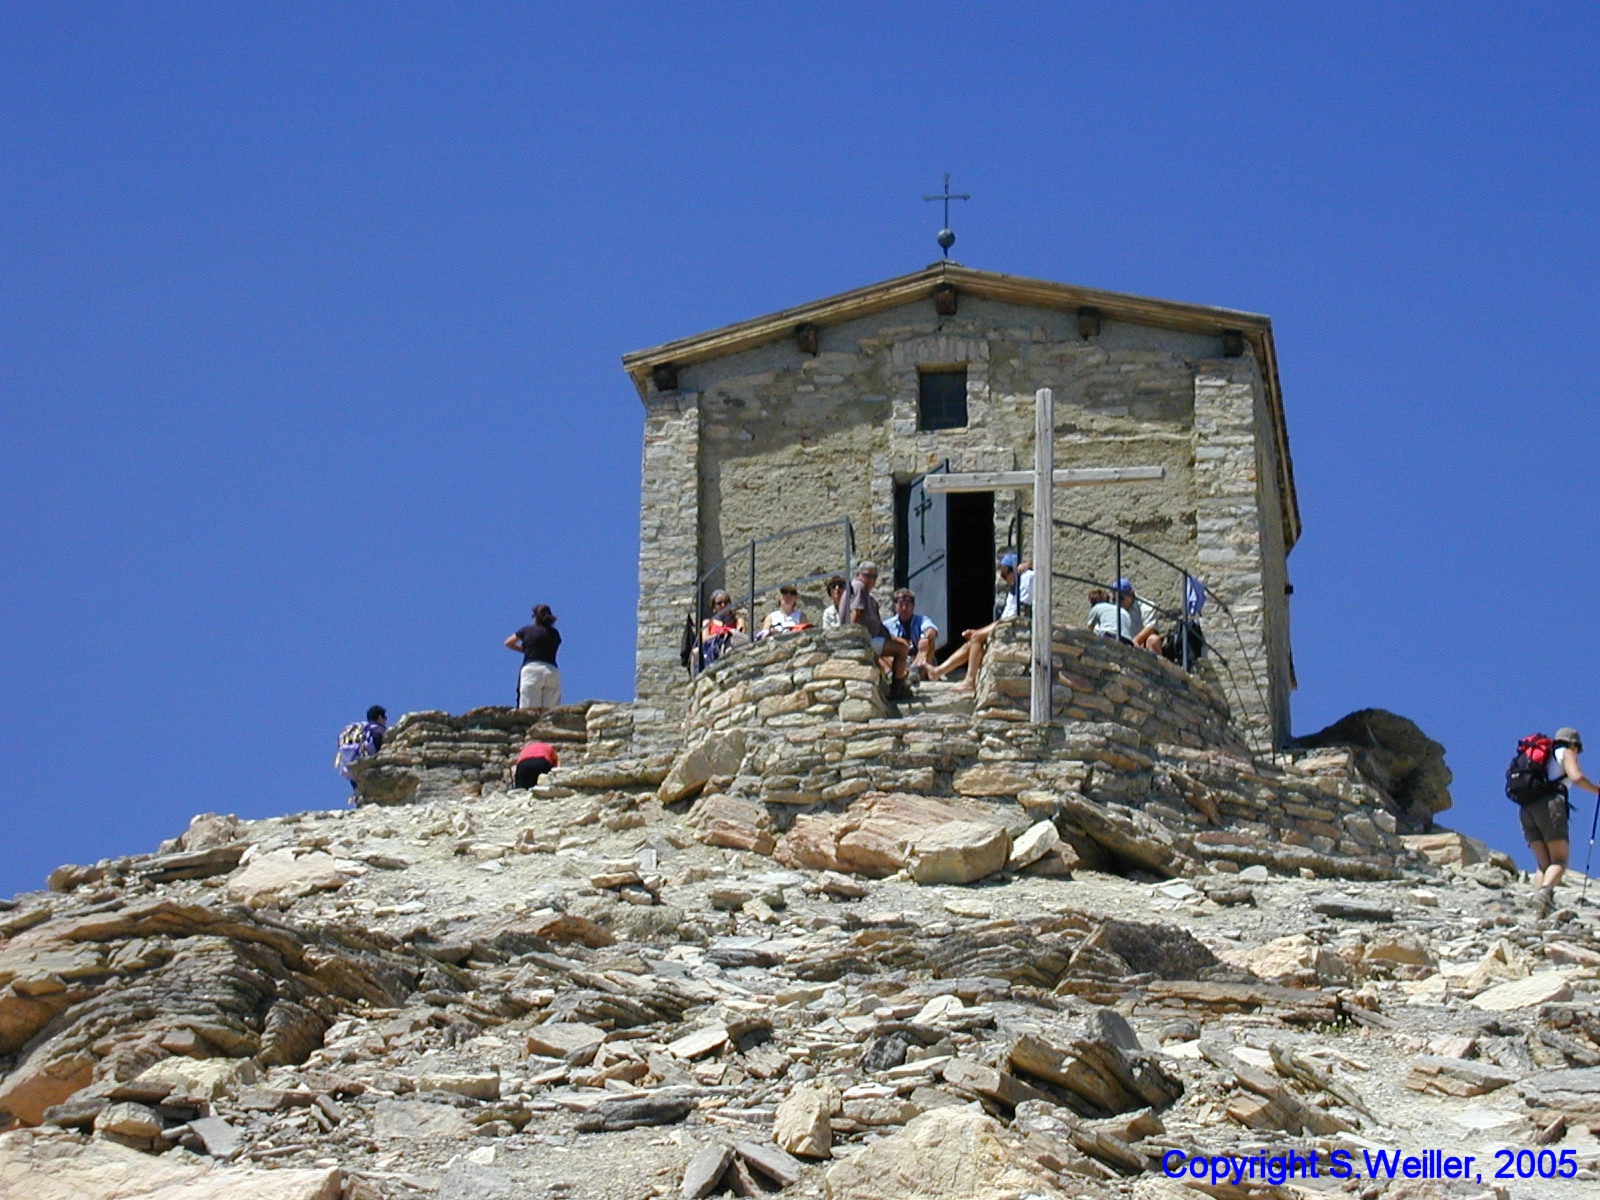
(1142, 614)
(1018, 578)
(917, 630)
(859, 608)
(835, 589)
(722, 630)
(787, 617)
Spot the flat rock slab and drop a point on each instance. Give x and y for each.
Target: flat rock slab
(1575, 1091)
(207, 1078)
(630, 1112)
(700, 1043)
(281, 871)
(413, 1119)
(943, 1154)
(1544, 988)
(704, 1172)
(52, 1165)
(571, 1041)
(1032, 845)
(1345, 909)
(783, 1169)
(220, 1139)
(957, 852)
(875, 835)
(1456, 1076)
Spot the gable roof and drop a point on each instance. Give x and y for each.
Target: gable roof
(1009, 289)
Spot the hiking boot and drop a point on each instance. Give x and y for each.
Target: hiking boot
(900, 690)
(1544, 898)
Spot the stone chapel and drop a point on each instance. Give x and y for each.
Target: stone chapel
(789, 447)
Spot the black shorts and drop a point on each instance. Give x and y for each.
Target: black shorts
(1545, 820)
(529, 770)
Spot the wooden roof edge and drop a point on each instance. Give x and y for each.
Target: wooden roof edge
(990, 285)
(1266, 352)
(1013, 289)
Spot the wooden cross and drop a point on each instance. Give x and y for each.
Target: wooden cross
(1042, 479)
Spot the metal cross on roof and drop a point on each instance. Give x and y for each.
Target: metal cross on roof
(947, 237)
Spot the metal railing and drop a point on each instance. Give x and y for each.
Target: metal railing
(1122, 549)
(748, 556)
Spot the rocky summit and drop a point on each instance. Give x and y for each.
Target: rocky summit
(918, 958)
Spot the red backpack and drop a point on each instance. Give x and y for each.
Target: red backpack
(1527, 778)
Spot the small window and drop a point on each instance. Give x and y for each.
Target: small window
(942, 398)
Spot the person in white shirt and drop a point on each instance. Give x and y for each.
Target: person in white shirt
(787, 616)
(835, 589)
(1018, 578)
(1138, 612)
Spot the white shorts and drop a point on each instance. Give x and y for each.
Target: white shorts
(539, 686)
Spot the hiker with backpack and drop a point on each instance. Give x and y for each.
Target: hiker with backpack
(358, 740)
(1537, 780)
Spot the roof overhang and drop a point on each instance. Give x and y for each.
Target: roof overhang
(1008, 289)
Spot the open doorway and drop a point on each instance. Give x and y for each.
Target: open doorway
(945, 553)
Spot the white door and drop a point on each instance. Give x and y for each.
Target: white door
(927, 565)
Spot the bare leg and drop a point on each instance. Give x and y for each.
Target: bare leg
(1557, 866)
(895, 650)
(1541, 860)
(957, 656)
(980, 638)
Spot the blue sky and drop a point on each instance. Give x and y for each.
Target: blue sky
(310, 319)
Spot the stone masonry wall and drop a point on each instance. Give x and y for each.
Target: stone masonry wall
(1101, 680)
(1233, 550)
(1133, 734)
(432, 755)
(669, 505)
(1140, 767)
(804, 678)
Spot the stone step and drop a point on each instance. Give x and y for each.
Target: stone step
(930, 698)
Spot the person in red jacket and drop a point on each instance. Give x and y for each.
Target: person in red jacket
(535, 759)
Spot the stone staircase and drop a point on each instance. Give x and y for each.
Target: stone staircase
(935, 698)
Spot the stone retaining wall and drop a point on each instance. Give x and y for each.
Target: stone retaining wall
(1104, 681)
(432, 755)
(1141, 769)
(805, 678)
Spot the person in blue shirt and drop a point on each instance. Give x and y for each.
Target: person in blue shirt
(916, 629)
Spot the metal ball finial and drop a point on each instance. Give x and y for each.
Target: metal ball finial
(947, 237)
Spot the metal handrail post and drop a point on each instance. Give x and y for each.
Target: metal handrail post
(750, 607)
(1183, 621)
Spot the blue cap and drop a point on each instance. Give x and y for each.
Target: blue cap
(1008, 560)
(1122, 585)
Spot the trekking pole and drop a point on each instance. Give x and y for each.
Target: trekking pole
(1589, 858)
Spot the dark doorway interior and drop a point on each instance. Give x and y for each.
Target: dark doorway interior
(970, 522)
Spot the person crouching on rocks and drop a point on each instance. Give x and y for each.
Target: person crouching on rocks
(1544, 822)
(535, 759)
